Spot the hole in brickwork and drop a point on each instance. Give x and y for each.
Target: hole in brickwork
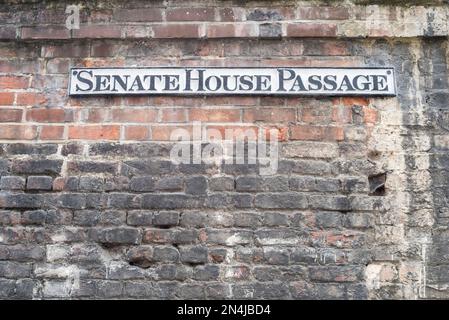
(374, 154)
(377, 184)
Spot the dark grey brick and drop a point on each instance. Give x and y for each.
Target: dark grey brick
(194, 255)
(329, 219)
(72, 148)
(88, 218)
(279, 256)
(170, 184)
(165, 218)
(142, 184)
(221, 184)
(206, 273)
(140, 218)
(249, 184)
(116, 235)
(170, 201)
(337, 203)
(31, 149)
(12, 183)
(196, 185)
(165, 254)
(15, 270)
(75, 167)
(36, 217)
(39, 183)
(52, 167)
(275, 219)
(88, 183)
(281, 201)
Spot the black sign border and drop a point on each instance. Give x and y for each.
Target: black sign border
(271, 94)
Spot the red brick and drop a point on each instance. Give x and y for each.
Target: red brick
(95, 132)
(138, 15)
(14, 82)
(137, 132)
(51, 133)
(190, 14)
(104, 49)
(272, 101)
(163, 133)
(134, 115)
(215, 115)
(173, 115)
(49, 115)
(311, 30)
(282, 133)
(66, 50)
(316, 114)
(58, 66)
(97, 115)
(316, 133)
(18, 132)
(234, 132)
(11, 115)
(342, 114)
(325, 48)
(220, 31)
(176, 31)
(98, 31)
(20, 66)
(6, 98)
(231, 101)
(51, 32)
(269, 115)
(323, 13)
(176, 101)
(355, 101)
(30, 99)
(59, 183)
(370, 115)
(136, 101)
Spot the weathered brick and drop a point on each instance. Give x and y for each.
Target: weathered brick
(102, 132)
(11, 115)
(165, 218)
(144, 184)
(196, 185)
(50, 32)
(116, 235)
(138, 15)
(39, 183)
(176, 31)
(37, 166)
(12, 183)
(281, 201)
(221, 184)
(311, 30)
(18, 132)
(190, 14)
(194, 255)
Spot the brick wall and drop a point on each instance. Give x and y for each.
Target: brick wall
(92, 206)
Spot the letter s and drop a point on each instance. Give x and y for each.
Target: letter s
(86, 81)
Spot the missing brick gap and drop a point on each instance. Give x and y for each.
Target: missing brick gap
(377, 184)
